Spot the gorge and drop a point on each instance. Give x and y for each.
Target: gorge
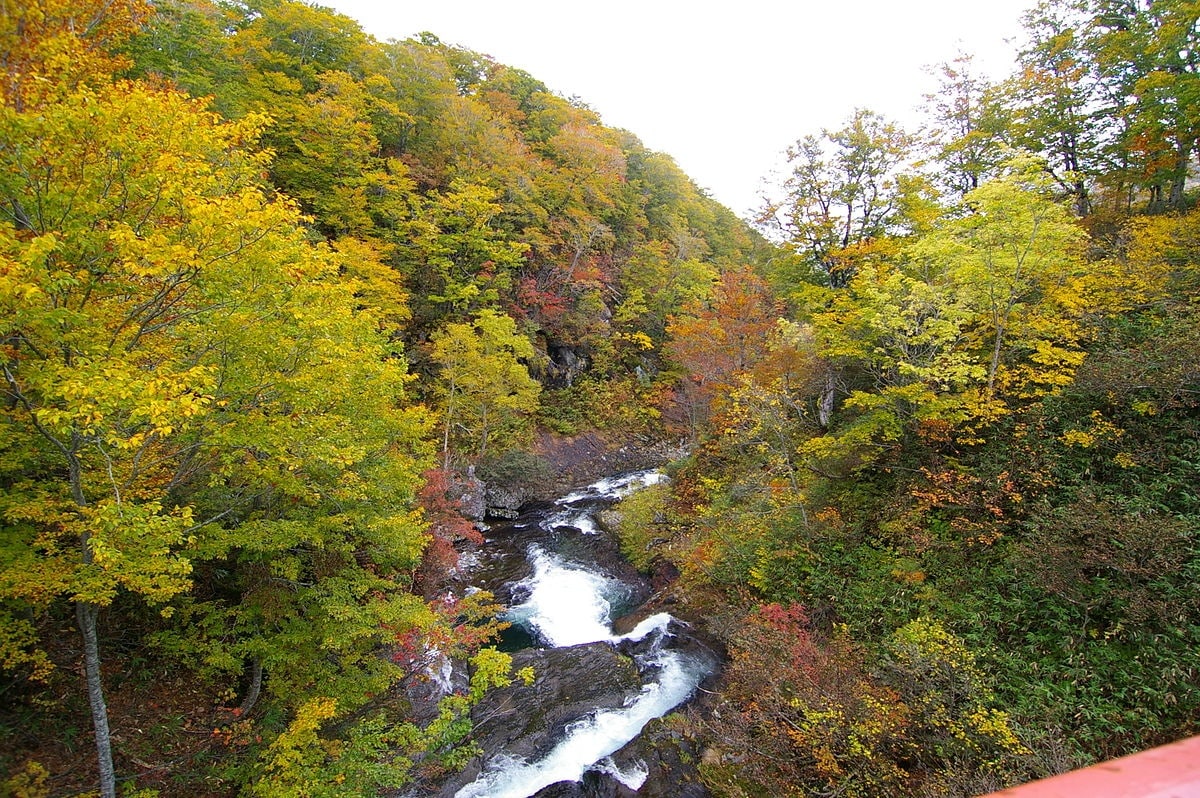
(567, 592)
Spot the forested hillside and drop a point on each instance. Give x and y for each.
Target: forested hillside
(270, 288)
(945, 509)
(264, 280)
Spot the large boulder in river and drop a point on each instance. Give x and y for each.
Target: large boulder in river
(504, 501)
(570, 684)
(514, 479)
(610, 520)
(469, 493)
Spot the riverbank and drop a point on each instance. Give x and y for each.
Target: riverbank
(580, 459)
(606, 666)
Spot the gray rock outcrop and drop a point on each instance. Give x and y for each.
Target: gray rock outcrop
(570, 684)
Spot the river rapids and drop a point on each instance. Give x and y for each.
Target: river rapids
(564, 586)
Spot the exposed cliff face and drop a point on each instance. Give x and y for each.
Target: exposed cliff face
(566, 364)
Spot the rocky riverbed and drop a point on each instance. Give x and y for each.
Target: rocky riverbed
(574, 731)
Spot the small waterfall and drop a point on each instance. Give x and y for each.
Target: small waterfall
(566, 605)
(566, 602)
(587, 743)
(632, 777)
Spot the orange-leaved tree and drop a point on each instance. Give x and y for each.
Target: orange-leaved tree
(715, 341)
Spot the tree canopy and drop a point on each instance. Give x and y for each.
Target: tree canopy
(267, 284)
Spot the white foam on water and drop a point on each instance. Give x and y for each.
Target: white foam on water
(567, 605)
(633, 778)
(642, 479)
(616, 487)
(578, 519)
(653, 623)
(585, 524)
(590, 740)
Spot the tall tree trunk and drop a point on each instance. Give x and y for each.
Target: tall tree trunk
(1083, 203)
(994, 366)
(1176, 200)
(255, 688)
(483, 431)
(85, 616)
(825, 401)
(1155, 205)
(446, 428)
(1183, 159)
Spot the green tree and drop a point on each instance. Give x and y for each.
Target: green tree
(980, 313)
(841, 193)
(294, 41)
(97, 379)
(1055, 95)
(486, 388)
(1108, 94)
(185, 376)
(456, 260)
(328, 158)
(971, 126)
(1149, 58)
(184, 42)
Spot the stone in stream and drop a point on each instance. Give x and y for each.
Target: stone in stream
(467, 492)
(571, 683)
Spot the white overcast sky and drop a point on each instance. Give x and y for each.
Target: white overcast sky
(723, 88)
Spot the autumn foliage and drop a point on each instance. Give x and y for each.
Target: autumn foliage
(260, 274)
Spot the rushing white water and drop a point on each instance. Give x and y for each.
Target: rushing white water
(615, 487)
(569, 517)
(590, 740)
(633, 777)
(609, 488)
(568, 604)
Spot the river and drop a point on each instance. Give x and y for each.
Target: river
(564, 586)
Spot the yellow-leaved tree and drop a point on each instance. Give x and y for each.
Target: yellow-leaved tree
(984, 309)
(1014, 261)
(486, 388)
(187, 377)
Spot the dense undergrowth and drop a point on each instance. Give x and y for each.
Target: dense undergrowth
(978, 605)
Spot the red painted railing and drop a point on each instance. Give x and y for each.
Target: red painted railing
(1171, 771)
